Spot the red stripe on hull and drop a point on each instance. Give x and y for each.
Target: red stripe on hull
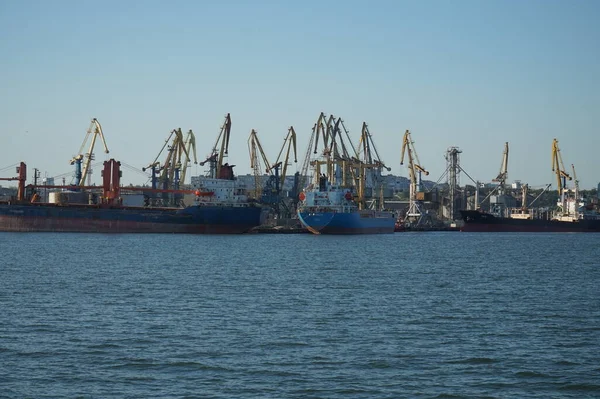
(373, 230)
(25, 224)
(513, 228)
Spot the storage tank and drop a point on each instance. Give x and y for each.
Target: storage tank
(68, 197)
(56, 197)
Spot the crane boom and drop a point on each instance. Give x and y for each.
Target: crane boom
(414, 173)
(171, 170)
(503, 174)
(368, 150)
(189, 145)
(575, 181)
(559, 168)
(221, 147)
(94, 130)
(561, 178)
(255, 149)
(289, 144)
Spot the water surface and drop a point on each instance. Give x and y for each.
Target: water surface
(428, 315)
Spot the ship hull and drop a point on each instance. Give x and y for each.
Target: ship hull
(361, 222)
(92, 219)
(476, 221)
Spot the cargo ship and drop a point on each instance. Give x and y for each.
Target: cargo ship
(478, 221)
(331, 209)
(220, 207)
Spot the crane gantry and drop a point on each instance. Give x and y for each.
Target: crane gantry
(414, 174)
(94, 130)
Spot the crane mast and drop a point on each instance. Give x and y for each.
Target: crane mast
(337, 158)
(368, 155)
(190, 146)
(170, 174)
(257, 155)
(575, 182)
(414, 173)
(561, 175)
(503, 174)
(289, 144)
(220, 149)
(94, 131)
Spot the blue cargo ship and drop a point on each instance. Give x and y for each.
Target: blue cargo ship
(332, 210)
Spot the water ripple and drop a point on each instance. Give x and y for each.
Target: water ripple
(407, 315)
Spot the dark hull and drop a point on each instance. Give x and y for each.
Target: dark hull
(92, 219)
(361, 222)
(476, 221)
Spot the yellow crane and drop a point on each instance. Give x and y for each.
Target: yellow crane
(94, 130)
(168, 176)
(289, 145)
(220, 149)
(171, 173)
(368, 155)
(414, 175)
(256, 154)
(336, 147)
(190, 146)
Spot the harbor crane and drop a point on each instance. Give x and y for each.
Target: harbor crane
(416, 196)
(219, 152)
(335, 146)
(257, 159)
(279, 169)
(368, 155)
(500, 179)
(170, 171)
(503, 174)
(289, 145)
(170, 175)
(190, 147)
(270, 192)
(94, 131)
(575, 182)
(561, 175)
(343, 166)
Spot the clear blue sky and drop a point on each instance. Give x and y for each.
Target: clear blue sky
(471, 74)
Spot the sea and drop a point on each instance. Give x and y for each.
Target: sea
(404, 315)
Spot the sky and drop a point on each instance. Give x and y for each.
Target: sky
(466, 74)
